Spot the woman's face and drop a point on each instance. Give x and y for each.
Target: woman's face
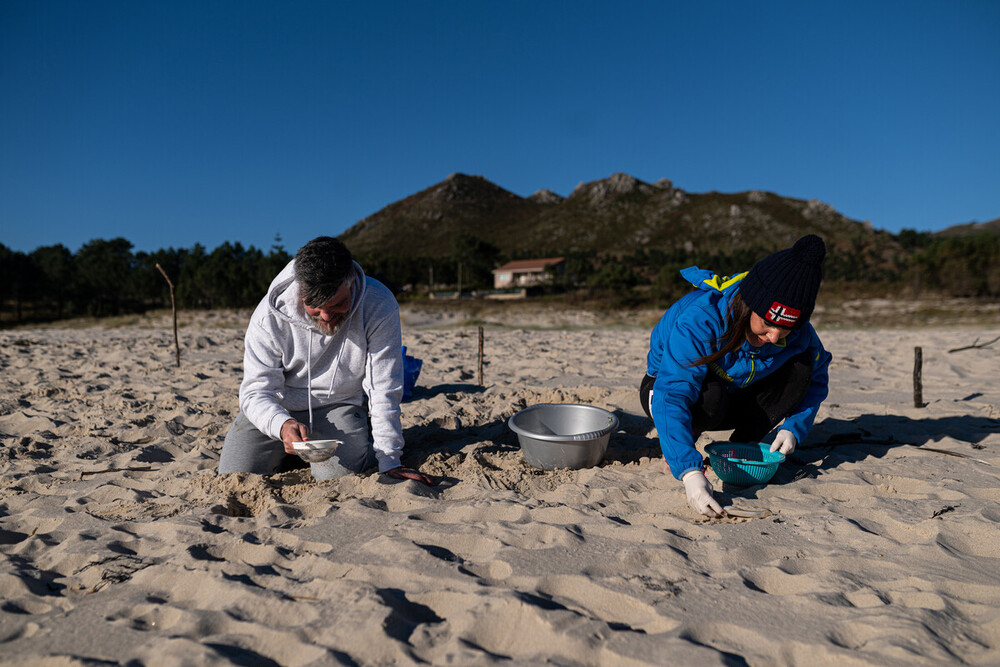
(761, 332)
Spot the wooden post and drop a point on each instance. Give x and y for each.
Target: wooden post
(918, 386)
(480, 356)
(173, 307)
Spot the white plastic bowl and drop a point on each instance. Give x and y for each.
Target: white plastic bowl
(315, 451)
(563, 435)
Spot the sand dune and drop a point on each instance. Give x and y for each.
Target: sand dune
(118, 541)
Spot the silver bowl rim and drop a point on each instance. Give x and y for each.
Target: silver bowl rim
(577, 438)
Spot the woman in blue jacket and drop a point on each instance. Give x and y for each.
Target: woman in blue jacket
(738, 353)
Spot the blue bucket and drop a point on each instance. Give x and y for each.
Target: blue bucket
(411, 371)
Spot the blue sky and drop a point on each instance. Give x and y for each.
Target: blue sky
(204, 121)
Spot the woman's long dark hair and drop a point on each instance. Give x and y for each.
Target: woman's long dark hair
(737, 328)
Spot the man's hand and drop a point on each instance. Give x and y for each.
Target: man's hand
(784, 442)
(699, 494)
(410, 473)
(293, 431)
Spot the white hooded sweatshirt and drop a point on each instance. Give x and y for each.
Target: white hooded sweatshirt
(290, 365)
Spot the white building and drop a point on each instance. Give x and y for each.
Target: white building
(526, 272)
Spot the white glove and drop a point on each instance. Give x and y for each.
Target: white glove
(785, 442)
(699, 494)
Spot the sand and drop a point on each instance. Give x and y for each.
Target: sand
(119, 543)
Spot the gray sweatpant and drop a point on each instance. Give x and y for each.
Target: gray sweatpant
(246, 449)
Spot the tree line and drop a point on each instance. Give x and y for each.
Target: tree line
(961, 266)
(105, 277)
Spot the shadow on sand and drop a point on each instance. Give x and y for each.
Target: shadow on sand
(834, 442)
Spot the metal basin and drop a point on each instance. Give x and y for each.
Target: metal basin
(561, 435)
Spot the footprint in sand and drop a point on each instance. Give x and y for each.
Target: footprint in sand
(25, 606)
(13, 633)
(613, 606)
(774, 581)
(965, 541)
(150, 617)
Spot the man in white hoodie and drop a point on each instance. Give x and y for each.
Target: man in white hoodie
(322, 353)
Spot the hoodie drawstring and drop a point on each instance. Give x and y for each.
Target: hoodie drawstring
(340, 353)
(309, 381)
(336, 366)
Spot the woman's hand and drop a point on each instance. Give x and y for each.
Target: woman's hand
(784, 442)
(699, 494)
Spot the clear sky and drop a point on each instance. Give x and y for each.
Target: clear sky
(202, 121)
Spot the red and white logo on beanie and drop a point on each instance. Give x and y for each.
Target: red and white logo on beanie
(781, 315)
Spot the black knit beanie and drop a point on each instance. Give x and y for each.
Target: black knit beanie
(782, 287)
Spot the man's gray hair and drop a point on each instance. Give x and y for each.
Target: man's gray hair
(321, 267)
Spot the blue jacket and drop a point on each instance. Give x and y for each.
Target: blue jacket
(688, 331)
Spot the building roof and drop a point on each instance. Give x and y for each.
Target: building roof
(528, 265)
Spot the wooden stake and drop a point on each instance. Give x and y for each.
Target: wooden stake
(480, 356)
(918, 386)
(173, 307)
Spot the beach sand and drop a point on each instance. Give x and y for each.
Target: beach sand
(120, 543)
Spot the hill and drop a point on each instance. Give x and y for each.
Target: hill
(969, 228)
(614, 216)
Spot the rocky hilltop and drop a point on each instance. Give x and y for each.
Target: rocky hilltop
(615, 215)
(969, 228)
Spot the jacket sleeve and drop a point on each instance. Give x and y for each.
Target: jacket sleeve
(263, 380)
(801, 422)
(675, 390)
(383, 385)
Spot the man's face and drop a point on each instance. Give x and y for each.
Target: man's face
(761, 332)
(331, 314)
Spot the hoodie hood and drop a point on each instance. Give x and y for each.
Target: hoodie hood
(706, 280)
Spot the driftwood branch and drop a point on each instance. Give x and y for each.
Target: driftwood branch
(951, 453)
(83, 473)
(173, 307)
(975, 346)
